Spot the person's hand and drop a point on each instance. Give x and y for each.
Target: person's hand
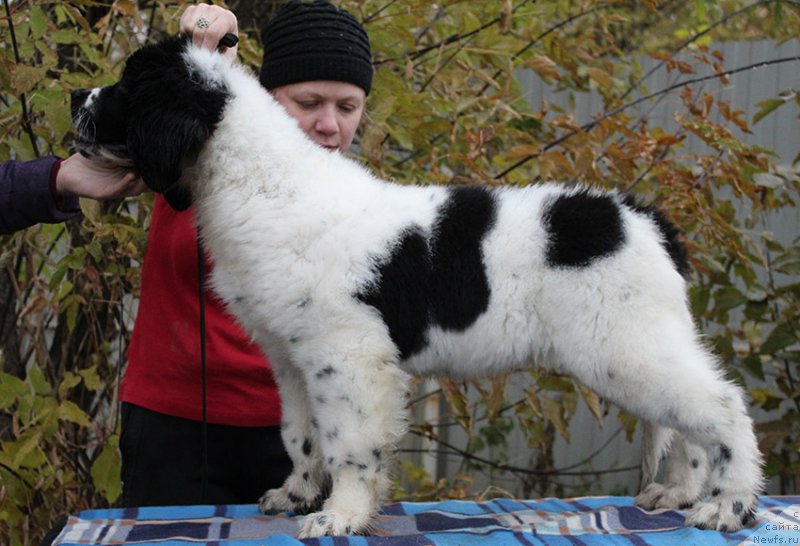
(82, 177)
(206, 24)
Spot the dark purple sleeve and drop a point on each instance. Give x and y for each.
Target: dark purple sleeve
(26, 198)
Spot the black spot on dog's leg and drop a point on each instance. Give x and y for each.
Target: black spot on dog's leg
(582, 227)
(325, 372)
(748, 516)
(695, 463)
(738, 508)
(725, 453)
(307, 447)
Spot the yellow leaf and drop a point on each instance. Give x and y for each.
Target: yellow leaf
(592, 402)
(106, 470)
(70, 411)
(554, 411)
(24, 78)
(544, 66)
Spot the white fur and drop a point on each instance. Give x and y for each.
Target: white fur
(294, 231)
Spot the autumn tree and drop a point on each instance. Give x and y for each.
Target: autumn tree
(447, 108)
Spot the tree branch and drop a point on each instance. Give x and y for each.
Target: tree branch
(699, 35)
(26, 120)
(592, 124)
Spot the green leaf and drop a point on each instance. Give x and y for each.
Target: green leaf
(91, 379)
(781, 337)
(752, 363)
(24, 448)
(106, 470)
(7, 396)
(11, 388)
(767, 107)
(71, 380)
(38, 22)
(70, 411)
(37, 380)
(728, 298)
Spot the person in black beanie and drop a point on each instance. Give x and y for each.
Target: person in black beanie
(317, 64)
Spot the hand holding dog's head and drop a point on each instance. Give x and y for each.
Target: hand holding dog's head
(157, 117)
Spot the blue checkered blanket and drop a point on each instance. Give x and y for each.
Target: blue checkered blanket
(580, 521)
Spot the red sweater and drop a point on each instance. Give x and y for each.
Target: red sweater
(163, 372)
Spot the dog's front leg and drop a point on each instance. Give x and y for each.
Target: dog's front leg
(358, 402)
(306, 487)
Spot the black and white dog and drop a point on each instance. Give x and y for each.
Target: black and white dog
(350, 283)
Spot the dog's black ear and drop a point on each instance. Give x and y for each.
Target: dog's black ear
(161, 148)
(179, 198)
(173, 109)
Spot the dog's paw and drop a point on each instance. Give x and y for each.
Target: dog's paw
(657, 495)
(280, 500)
(724, 513)
(335, 522)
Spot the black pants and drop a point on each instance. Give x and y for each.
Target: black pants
(162, 461)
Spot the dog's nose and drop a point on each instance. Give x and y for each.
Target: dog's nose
(77, 100)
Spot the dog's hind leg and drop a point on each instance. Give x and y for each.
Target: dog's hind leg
(358, 398)
(663, 374)
(305, 488)
(735, 477)
(685, 469)
(656, 441)
(688, 394)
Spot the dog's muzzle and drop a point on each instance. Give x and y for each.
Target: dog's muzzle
(82, 111)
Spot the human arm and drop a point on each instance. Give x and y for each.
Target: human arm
(220, 21)
(82, 177)
(47, 189)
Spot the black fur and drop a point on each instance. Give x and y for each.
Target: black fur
(165, 122)
(669, 232)
(585, 226)
(436, 281)
(582, 228)
(401, 292)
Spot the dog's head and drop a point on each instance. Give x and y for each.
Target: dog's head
(156, 118)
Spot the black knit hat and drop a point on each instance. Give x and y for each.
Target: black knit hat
(315, 41)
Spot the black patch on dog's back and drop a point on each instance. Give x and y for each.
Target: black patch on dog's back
(582, 227)
(669, 232)
(437, 281)
(460, 290)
